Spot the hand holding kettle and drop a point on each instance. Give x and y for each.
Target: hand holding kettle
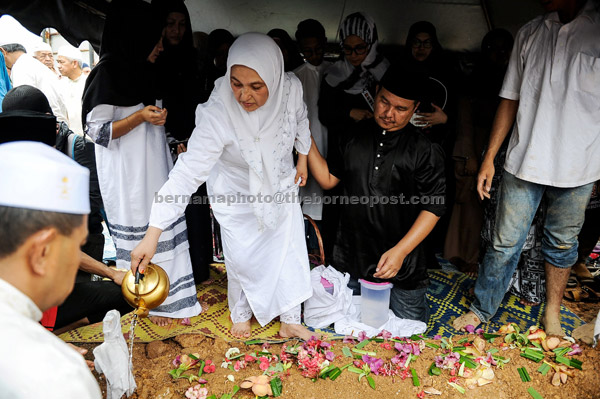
(142, 254)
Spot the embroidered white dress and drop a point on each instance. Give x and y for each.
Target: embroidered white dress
(131, 170)
(268, 267)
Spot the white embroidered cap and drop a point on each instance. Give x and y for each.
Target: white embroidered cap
(37, 176)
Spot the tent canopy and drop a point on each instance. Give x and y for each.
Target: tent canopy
(461, 24)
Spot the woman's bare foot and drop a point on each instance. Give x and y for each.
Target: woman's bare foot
(161, 321)
(469, 318)
(204, 306)
(295, 330)
(241, 330)
(525, 302)
(552, 325)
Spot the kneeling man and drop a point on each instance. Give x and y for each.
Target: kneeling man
(394, 190)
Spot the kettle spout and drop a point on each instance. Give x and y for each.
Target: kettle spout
(141, 310)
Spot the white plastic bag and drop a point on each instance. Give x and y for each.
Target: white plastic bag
(112, 358)
(323, 308)
(351, 325)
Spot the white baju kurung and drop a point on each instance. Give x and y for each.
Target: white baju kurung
(34, 363)
(263, 242)
(131, 170)
(29, 71)
(311, 76)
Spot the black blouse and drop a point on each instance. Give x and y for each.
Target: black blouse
(389, 178)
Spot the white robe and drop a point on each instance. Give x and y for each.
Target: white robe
(311, 77)
(29, 71)
(131, 170)
(72, 93)
(269, 266)
(34, 363)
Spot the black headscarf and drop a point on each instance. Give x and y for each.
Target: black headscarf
(432, 64)
(179, 85)
(18, 125)
(123, 75)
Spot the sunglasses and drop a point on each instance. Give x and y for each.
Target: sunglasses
(416, 43)
(361, 49)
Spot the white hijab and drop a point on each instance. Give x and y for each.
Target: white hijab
(258, 131)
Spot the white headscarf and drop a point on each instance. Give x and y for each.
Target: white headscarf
(258, 131)
(363, 26)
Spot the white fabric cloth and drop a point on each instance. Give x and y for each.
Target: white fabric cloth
(29, 71)
(269, 265)
(111, 358)
(131, 170)
(323, 308)
(34, 363)
(350, 325)
(310, 76)
(554, 72)
(72, 93)
(64, 182)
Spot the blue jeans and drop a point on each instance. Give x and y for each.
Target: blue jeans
(518, 202)
(406, 304)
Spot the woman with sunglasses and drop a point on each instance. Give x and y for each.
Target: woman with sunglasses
(347, 93)
(349, 86)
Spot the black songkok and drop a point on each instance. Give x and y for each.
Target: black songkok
(405, 82)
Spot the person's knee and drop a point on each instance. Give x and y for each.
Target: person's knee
(410, 304)
(560, 248)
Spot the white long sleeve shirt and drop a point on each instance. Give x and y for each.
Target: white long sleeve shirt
(34, 363)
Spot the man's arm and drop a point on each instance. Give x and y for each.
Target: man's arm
(391, 261)
(503, 122)
(319, 169)
(91, 265)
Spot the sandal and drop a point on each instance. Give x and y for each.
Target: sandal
(584, 293)
(572, 282)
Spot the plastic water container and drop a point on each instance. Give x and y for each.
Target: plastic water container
(327, 285)
(375, 302)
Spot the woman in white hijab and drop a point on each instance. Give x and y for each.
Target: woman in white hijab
(242, 148)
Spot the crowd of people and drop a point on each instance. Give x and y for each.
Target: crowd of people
(495, 169)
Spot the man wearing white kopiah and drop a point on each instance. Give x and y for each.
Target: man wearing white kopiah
(44, 203)
(69, 62)
(242, 148)
(43, 53)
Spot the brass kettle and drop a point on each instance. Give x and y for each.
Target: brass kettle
(145, 291)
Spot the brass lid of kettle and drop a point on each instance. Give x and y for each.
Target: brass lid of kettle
(146, 291)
